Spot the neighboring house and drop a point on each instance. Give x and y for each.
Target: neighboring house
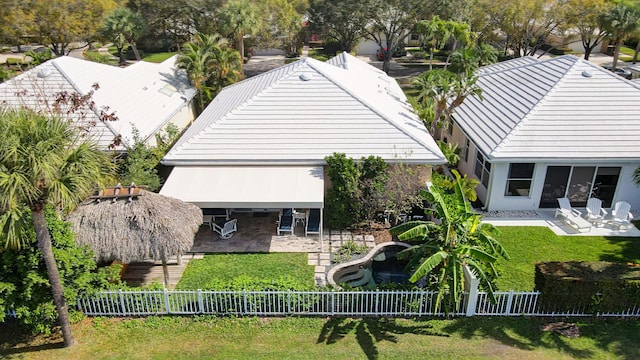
(549, 129)
(144, 96)
(261, 144)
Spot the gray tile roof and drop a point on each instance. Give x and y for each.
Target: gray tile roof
(143, 95)
(561, 108)
(301, 112)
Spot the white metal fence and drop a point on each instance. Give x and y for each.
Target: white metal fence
(318, 303)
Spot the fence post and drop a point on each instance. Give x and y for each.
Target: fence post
(471, 284)
(122, 303)
(167, 306)
(244, 301)
(200, 302)
(507, 311)
(333, 302)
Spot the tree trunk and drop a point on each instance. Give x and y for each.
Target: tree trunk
(44, 243)
(635, 54)
(616, 54)
(241, 50)
(386, 64)
(121, 56)
(136, 53)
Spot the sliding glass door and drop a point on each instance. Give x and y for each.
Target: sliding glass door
(578, 184)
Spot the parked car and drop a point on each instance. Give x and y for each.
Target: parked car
(400, 51)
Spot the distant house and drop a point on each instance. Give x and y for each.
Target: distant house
(549, 129)
(144, 96)
(261, 144)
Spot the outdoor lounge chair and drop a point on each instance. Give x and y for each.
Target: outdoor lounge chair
(225, 228)
(595, 212)
(571, 216)
(285, 221)
(313, 222)
(621, 215)
(212, 215)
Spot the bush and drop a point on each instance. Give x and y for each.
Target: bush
(24, 284)
(419, 55)
(589, 286)
(99, 58)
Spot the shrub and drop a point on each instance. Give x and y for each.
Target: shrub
(24, 284)
(592, 286)
(99, 58)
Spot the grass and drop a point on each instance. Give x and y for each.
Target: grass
(528, 245)
(318, 54)
(234, 271)
(157, 57)
(320, 338)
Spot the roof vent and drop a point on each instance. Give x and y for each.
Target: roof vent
(587, 74)
(305, 76)
(44, 72)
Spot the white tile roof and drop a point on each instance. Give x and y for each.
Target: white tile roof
(301, 112)
(561, 108)
(143, 95)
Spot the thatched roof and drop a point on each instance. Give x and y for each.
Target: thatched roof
(138, 228)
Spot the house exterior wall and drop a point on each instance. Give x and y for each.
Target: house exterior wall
(494, 198)
(626, 190)
(182, 118)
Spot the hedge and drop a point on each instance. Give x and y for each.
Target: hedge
(588, 286)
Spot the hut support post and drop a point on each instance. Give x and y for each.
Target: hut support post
(165, 270)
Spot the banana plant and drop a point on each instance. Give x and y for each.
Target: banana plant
(443, 248)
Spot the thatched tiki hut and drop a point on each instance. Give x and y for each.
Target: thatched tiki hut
(130, 224)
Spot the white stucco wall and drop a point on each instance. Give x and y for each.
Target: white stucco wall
(367, 47)
(182, 118)
(625, 191)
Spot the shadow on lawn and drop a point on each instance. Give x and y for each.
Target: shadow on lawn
(619, 337)
(16, 341)
(630, 250)
(369, 331)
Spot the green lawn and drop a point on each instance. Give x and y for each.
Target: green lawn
(243, 271)
(204, 337)
(528, 245)
(157, 57)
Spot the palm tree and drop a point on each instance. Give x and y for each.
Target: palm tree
(210, 65)
(240, 18)
(44, 161)
(443, 91)
(123, 26)
(621, 21)
(444, 249)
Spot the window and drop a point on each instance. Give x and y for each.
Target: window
(482, 169)
(519, 181)
(450, 128)
(415, 36)
(465, 150)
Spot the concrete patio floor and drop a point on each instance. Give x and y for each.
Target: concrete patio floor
(257, 233)
(546, 218)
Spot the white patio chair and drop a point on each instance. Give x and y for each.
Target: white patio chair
(571, 216)
(621, 215)
(225, 228)
(595, 213)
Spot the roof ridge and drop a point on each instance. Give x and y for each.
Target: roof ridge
(525, 119)
(371, 106)
(77, 89)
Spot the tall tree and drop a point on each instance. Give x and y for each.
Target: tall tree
(391, 23)
(210, 65)
(44, 161)
(345, 22)
(620, 22)
(169, 23)
(62, 22)
(586, 17)
(440, 92)
(239, 18)
(443, 250)
(123, 26)
(526, 23)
